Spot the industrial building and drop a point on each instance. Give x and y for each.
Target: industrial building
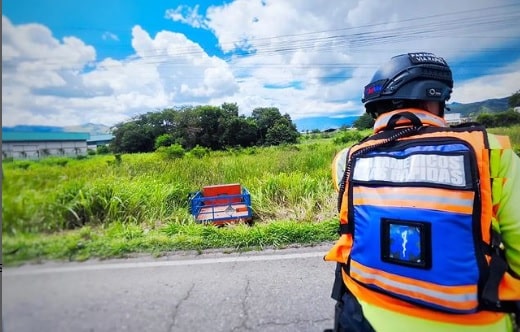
(36, 145)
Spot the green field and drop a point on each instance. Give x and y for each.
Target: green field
(105, 206)
(114, 206)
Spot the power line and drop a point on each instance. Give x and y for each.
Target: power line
(360, 38)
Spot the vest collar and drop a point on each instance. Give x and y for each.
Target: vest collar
(427, 119)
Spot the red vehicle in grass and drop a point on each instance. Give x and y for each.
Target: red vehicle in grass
(222, 204)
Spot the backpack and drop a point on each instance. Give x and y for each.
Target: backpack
(417, 202)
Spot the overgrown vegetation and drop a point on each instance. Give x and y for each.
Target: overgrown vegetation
(116, 204)
(501, 119)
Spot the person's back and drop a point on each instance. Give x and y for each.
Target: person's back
(427, 213)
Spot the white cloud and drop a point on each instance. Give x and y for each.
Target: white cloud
(323, 53)
(187, 15)
(166, 70)
(491, 86)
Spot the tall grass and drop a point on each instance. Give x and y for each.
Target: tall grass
(106, 205)
(290, 182)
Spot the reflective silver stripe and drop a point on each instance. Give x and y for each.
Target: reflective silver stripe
(382, 121)
(458, 298)
(412, 197)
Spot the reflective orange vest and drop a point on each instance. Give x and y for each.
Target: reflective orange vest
(415, 218)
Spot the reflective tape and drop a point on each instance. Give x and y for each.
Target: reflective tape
(431, 198)
(461, 298)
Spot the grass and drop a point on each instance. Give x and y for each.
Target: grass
(103, 206)
(120, 240)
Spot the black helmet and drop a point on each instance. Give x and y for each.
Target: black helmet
(412, 76)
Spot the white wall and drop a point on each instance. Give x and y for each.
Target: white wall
(36, 150)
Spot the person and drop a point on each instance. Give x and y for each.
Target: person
(429, 214)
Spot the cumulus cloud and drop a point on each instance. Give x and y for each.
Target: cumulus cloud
(305, 57)
(187, 15)
(66, 87)
(502, 84)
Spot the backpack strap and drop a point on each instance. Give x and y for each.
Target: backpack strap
(497, 268)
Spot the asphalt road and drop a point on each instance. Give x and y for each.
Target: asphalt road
(273, 290)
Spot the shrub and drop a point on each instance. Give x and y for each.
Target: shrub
(164, 140)
(174, 151)
(348, 136)
(199, 151)
(102, 149)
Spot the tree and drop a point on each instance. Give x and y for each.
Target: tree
(212, 122)
(486, 119)
(514, 100)
(265, 118)
(506, 119)
(365, 121)
(269, 117)
(230, 110)
(132, 137)
(240, 131)
(282, 132)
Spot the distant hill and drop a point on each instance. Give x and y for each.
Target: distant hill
(91, 128)
(45, 129)
(485, 106)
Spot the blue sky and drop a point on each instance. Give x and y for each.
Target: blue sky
(103, 62)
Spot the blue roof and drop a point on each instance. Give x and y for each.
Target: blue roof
(97, 138)
(34, 136)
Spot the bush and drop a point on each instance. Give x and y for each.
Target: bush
(174, 151)
(199, 151)
(164, 140)
(102, 149)
(348, 136)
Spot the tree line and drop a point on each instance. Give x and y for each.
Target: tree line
(212, 127)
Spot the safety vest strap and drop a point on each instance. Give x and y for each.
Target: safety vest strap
(497, 269)
(346, 228)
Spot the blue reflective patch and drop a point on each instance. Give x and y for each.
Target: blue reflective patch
(405, 243)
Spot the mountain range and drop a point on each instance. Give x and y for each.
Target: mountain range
(307, 124)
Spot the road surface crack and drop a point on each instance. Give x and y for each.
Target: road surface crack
(245, 312)
(295, 322)
(177, 306)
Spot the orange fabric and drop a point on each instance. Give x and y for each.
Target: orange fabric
(341, 250)
(469, 289)
(509, 288)
(442, 207)
(390, 303)
(422, 284)
(504, 141)
(421, 192)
